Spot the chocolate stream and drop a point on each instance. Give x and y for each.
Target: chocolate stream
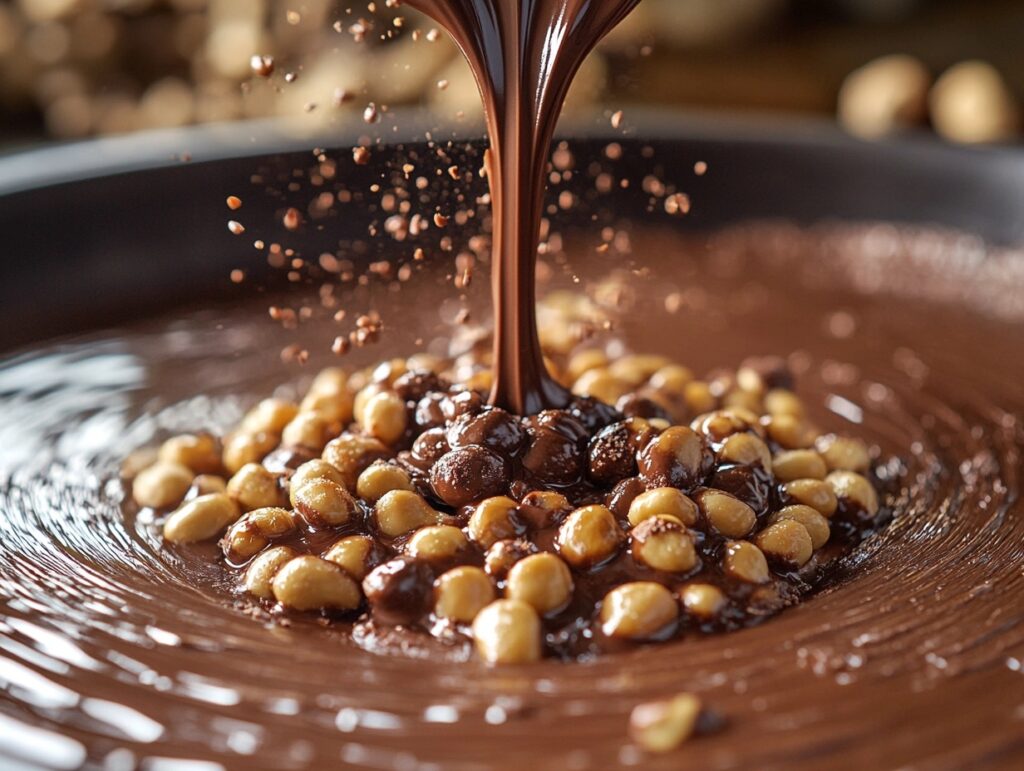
(523, 54)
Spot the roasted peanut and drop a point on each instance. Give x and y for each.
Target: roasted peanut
(642, 610)
(663, 500)
(786, 542)
(583, 361)
(704, 601)
(500, 558)
(385, 417)
(507, 632)
(201, 519)
(204, 484)
(854, 489)
(698, 396)
(351, 454)
(198, 452)
(815, 493)
(541, 580)
(676, 457)
(259, 576)
(726, 513)
(269, 416)
(779, 401)
(790, 431)
(672, 379)
(244, 447)
(321, 502)
(600, 384)
(461, 593)
(307, 429)
(494, 519)
(437, 543)
(250, 534)
(357, 555)
(798, 464)
(381, 477)
(661, 726)
(543, 508)
(589, 536)
(745, 562)
(312, 583)
(161, 485)
(637, 368)
(329, 397)
(663, 543)
(747, 449)
(253, 487)
(817, 526)
(841, 453)
(313, 469)
(401, 511)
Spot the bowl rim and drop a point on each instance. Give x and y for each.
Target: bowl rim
(50, 164)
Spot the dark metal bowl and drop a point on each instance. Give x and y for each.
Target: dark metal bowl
(100, 232)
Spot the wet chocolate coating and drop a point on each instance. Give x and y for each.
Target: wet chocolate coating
(821, 684)
(429, 411)
(612, 454)
(429, 447)
(415, 385)
(751, 485)
(492, 428)
(468, 474)
(399, 591)
(551, 458)
(635, 405)
(461, 403)
(592, 414)
(621, 496)
(661, 466)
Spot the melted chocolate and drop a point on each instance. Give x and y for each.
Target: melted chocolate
(115, 649)
(524, 54)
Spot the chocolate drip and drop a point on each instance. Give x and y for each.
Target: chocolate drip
(524, 54)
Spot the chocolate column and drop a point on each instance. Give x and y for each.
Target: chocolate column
(524, 54)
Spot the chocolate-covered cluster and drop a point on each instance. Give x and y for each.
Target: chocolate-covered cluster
(397, 498)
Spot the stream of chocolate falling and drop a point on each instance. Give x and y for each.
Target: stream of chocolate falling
(524, 54)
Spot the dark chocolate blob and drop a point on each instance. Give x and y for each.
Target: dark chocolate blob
(469, 474)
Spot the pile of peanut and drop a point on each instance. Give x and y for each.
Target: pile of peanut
(654, 504)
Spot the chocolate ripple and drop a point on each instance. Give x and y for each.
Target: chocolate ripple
(116, 652)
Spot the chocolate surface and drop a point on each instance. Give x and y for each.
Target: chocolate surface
(912, 656)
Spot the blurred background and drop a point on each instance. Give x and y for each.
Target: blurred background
(78, 68)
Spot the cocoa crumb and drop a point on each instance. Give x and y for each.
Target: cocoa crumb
(361, 155)
(262, 65)
(677, 203)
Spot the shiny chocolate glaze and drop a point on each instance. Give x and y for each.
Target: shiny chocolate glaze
(115, 649)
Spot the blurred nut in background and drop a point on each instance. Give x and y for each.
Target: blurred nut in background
(971, 103)
(73, 68)
(884, 96)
